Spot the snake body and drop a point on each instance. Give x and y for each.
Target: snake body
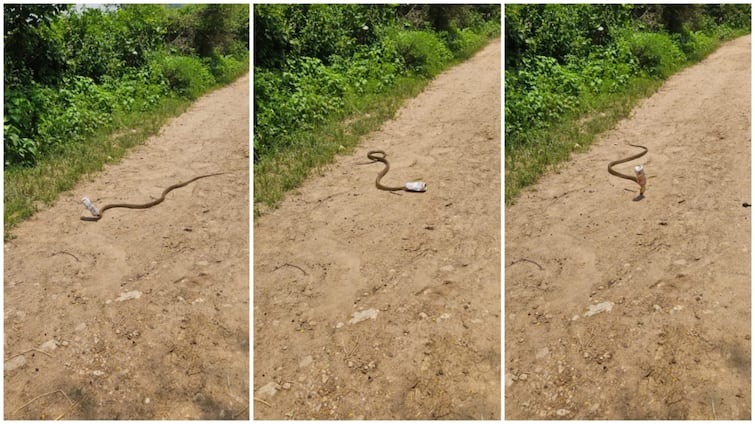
(620, 161)
(152, 203)
(379, 156)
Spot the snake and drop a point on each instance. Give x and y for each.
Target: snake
(620, 161)
(379, 156)
(152, 203)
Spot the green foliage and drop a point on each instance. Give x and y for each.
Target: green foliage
(69, 75)
(422, 52)
(186, 75)
(299, 98)
(33, 49)
(138, 90)
(209, 29)
(656, 53)
(560, 31)
(463, 43)
(226, 68)
(695, 45)
(72, 112)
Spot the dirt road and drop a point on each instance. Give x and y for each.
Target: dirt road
(617, 309)
(376, 305)
(144, 314)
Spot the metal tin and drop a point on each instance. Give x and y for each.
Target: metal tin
(417, 186)
(89, 205)
(639, 172)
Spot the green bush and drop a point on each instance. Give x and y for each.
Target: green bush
(73, 112)
(463, 43)
(656, 53)
(186, 75)
(421, 51)
(696, 45)
(370, 70)
(542, 92)
(226, 68)
(138, 90)
(302, 96)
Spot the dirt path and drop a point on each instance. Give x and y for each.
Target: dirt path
(674, 268)
(426, 267)
(144, 314)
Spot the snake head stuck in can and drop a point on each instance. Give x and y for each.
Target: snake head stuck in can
(639, 172)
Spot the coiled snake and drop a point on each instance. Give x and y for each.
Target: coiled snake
(629, 177)
(148, 204)
(379, 156)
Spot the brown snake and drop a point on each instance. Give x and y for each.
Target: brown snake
(373, 154)
(148, 204)
(620, 161)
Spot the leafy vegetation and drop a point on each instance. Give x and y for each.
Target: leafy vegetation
(572, 71)
(74, 76)
(325, 74)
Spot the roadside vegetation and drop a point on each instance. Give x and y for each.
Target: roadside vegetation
(82, 85)
(326, 74)
(573, 71)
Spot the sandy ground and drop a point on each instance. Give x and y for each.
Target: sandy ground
(421, 270)
(674, 268)
(144, 314)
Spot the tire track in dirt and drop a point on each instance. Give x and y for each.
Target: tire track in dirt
(674, 267)
(427, 264)
(144, 314)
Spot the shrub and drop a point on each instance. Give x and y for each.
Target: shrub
(186, 75)
(538, 94)
(421, 51)
(656, 53)
(75, 111)
(696, 45)
(463, 43)
(138, 90)
(298, 98)
(226, 68)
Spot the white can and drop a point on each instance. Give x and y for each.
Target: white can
(89, 205)
(417, 186)
(639, 172)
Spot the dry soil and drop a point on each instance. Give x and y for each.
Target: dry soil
(616, 309)
(377, 305)
(144, 314)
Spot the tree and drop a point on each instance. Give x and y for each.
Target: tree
(32, 50)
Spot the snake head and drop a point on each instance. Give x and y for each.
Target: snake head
(640, 177)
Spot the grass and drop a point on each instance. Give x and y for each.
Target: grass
(26, 190)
